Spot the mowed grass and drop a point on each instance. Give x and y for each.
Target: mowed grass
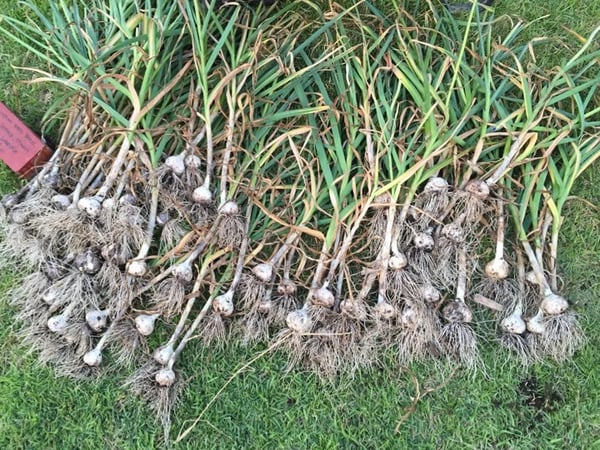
(263, 407)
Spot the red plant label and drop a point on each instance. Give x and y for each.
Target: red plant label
(20, 148)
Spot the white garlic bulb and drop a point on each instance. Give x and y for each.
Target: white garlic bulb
(144, 323)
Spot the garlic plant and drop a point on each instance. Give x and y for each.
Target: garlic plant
(222, 178)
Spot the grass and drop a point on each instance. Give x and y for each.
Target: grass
(263, 408)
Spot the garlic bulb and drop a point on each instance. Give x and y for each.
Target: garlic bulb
(397, 261)
(382, 201)
(264, 272)
(97, 319)
(165, 377)
(137, 268)
(408, 318)
(229, 208)
(385, 310)
(19, 215)
(299, 321)
(265, 307)
(424, 241)
(353, 309)
(478, 188)
(536, 323)
(286, 288)
(92, 206)
(553, 304)
(88, 262)
(53, 270)
(49, 297)
(61, 201)
(457, 311)
(192, 161)
(116, 254)
(58, 323)
(497, 269)
(202, 195)
(322, 297)
(453, 232)
(223, 304)
(109, 203)
(430, 294)
(127, 199)
(176, 164)
(144, 323)
(436, 184)
(514, 323)
(183, 271)
(162, 355)
(93, 358)
(10, 200)
(162, 218)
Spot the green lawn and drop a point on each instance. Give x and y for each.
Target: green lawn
(508, 407)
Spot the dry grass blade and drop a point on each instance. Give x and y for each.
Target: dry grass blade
(419, 395)
(182, 434)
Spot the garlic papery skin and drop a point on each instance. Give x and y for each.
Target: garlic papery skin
(536, 323)
(137, 268)
(514, 324)
(176, 164)
(165, 377)
(145, 323)
(162, 355)
(202, 195)
(553, 304)
(183, 271)
(322, 297)
(97, 319)
(229, 208)
(497, 269)
(223, 304)
(384, 310)
(264, 272)
(58, 324)
(299, 321)
(93, 358)
(92, 206)
(397, 261)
